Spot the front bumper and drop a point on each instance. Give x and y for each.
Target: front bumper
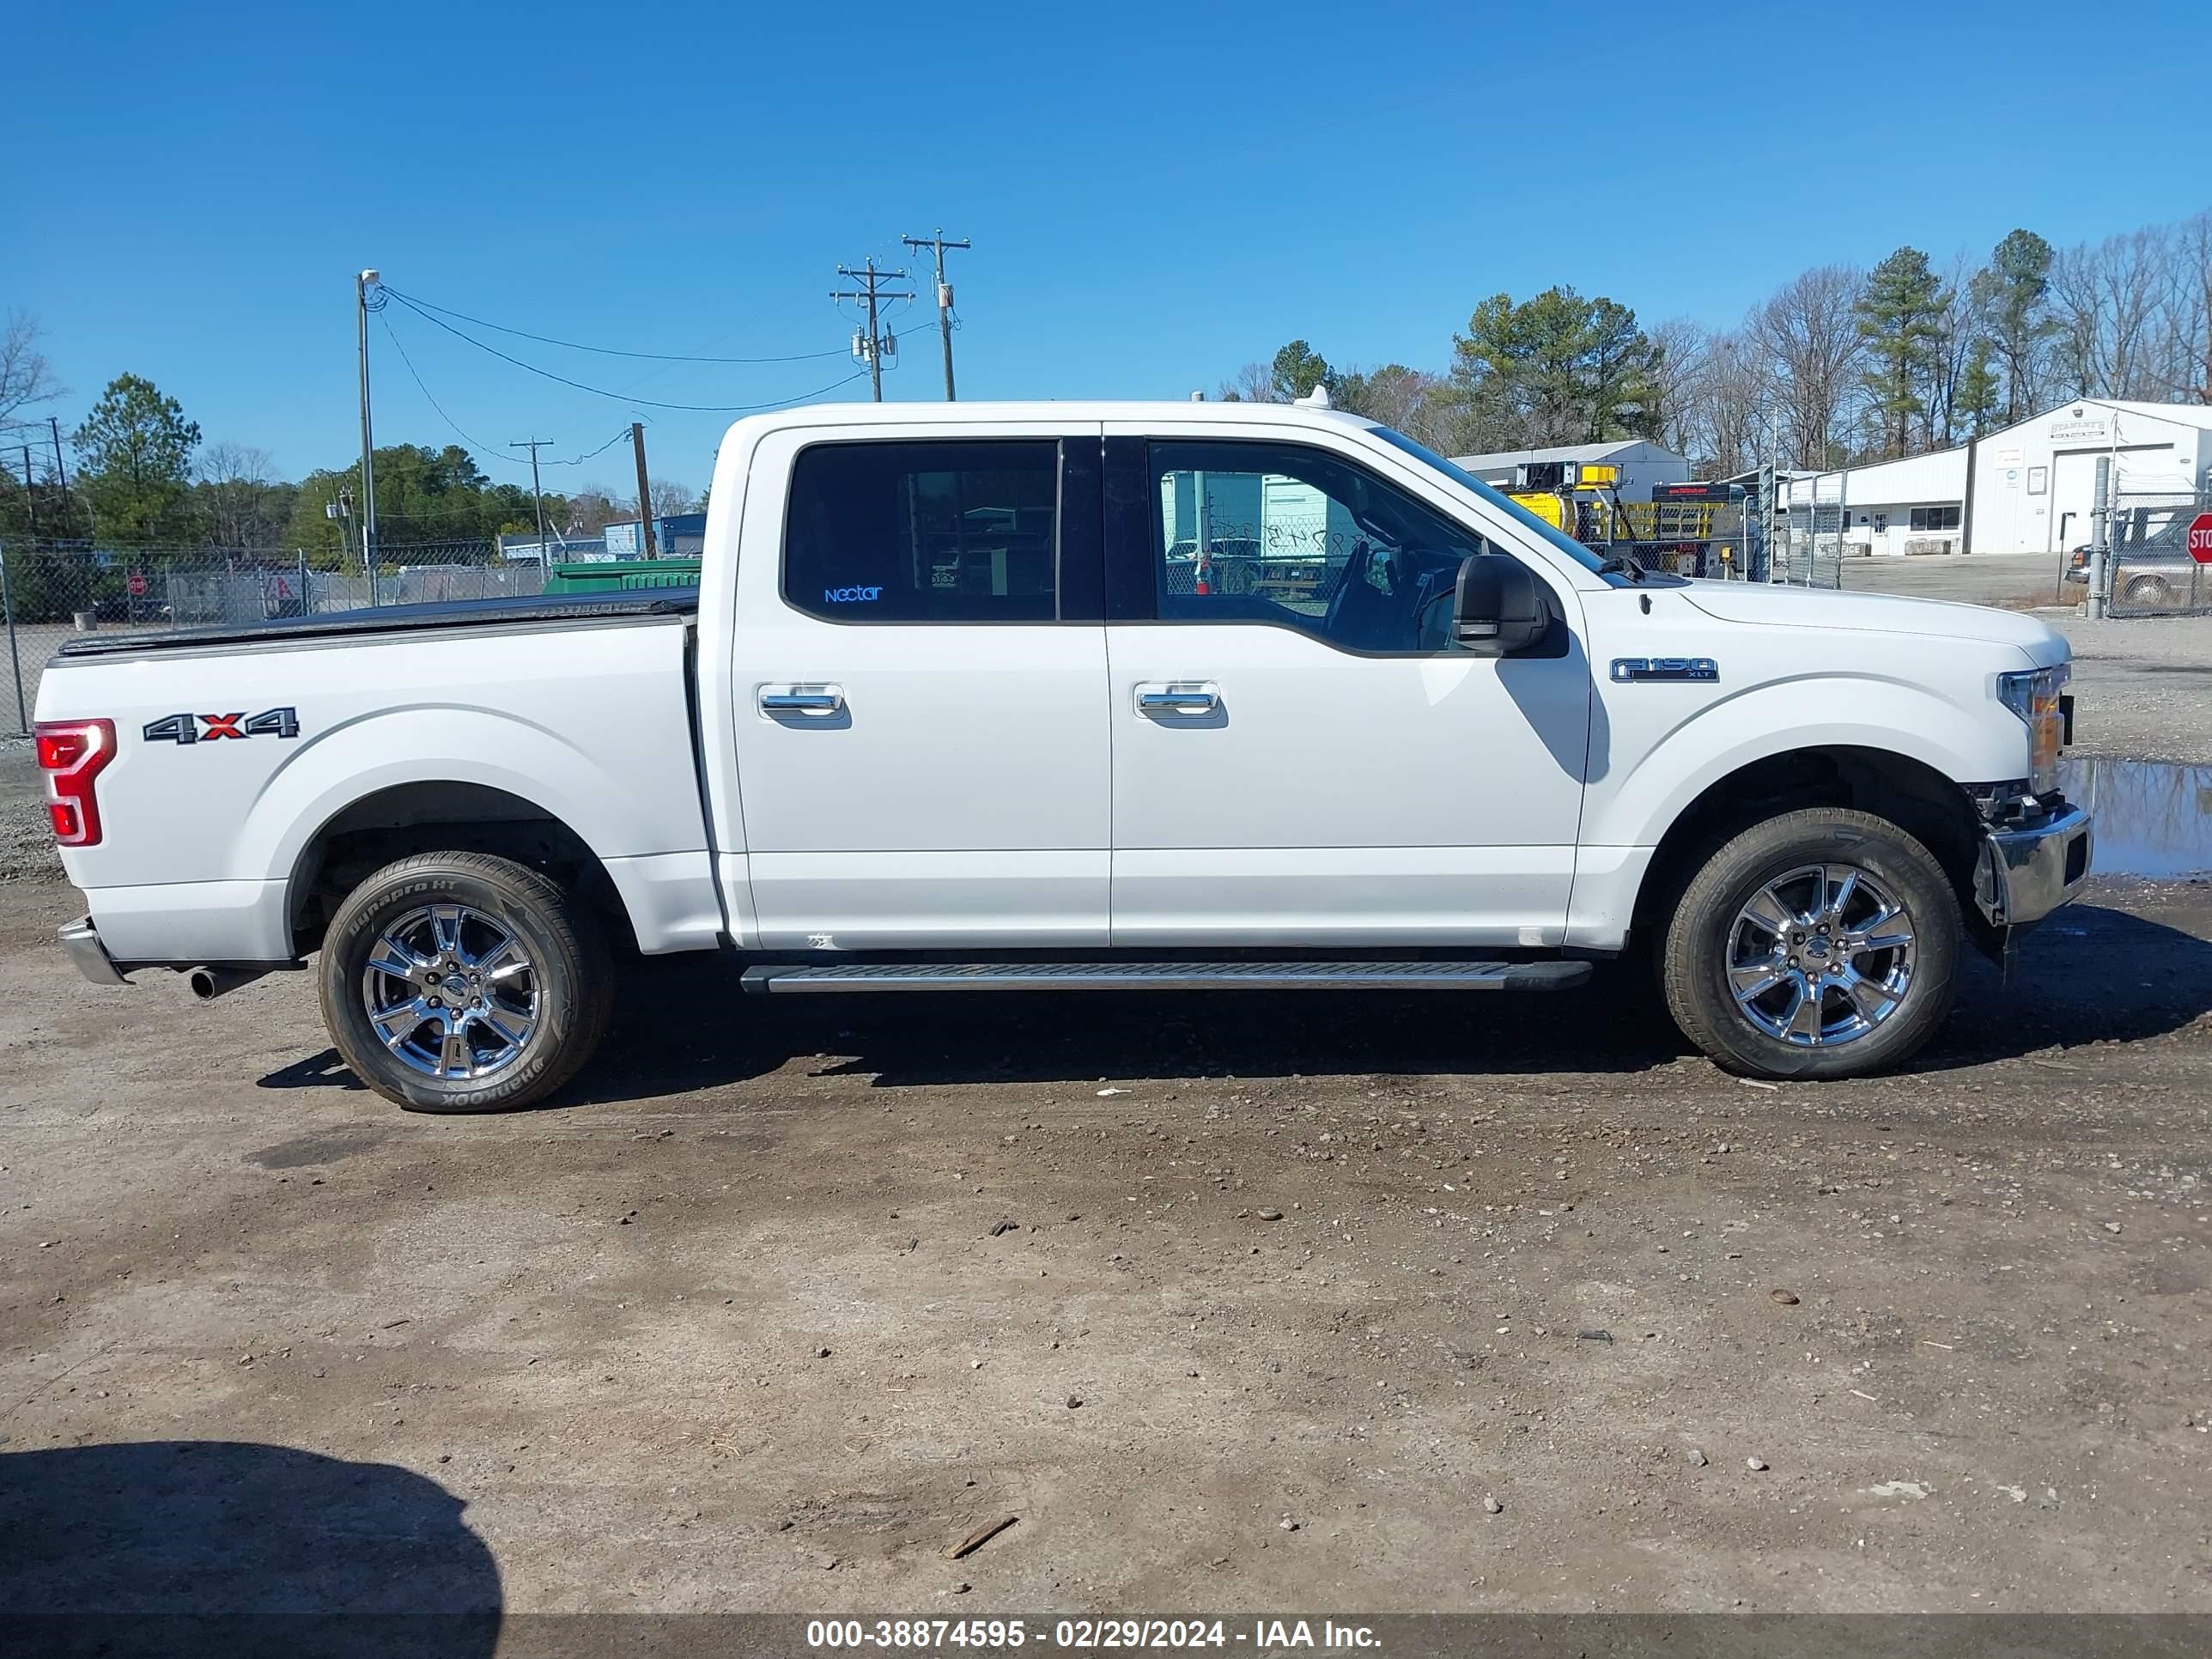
(2025, 873)
(82, 940)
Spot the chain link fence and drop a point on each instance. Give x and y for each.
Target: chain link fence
(1811, 554)
(2149, 572)
(50, 591)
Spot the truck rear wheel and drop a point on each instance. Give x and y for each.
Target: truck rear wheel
(1820, 943)
(460, 982)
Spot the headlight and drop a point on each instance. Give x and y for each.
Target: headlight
(2032, 695)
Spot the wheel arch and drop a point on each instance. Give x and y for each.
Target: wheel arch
(1899, 788)
(437, 814)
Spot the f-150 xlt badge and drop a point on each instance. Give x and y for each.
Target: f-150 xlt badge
(1665, 668)
(207, 728)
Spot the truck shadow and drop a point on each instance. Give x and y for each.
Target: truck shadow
(2091, 974)
(689, 1036)
(224, 1547)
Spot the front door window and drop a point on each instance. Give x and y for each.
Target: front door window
(1295, 536)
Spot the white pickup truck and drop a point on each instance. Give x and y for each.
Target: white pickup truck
(1075, 697)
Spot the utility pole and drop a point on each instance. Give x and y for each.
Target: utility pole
(869, 349)
(362, 283)
(61, 475)
(644, 489)
(944, 296)
(538, 494)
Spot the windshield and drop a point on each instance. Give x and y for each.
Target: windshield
(1466, 480)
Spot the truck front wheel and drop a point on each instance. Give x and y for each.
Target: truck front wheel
(1820, 943)
(460, 982)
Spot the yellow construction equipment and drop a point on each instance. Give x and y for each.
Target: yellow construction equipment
(1692, 529)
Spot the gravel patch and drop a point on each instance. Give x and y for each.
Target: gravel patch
(26, 845)
(2141, 689)
(731, 1326)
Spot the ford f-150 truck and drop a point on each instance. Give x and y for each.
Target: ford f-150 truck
(974, 696)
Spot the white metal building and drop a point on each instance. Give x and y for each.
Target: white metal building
(2035, 484)
(2027, 488)
(1642, 463)
(1912, 505)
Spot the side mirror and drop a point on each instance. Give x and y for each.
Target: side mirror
(1499, 607)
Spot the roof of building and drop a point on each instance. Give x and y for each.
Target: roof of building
(1597, 451)
(2198, 416)
(1939, 477)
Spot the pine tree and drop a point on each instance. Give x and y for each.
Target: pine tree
(1900, 318)
(135, 452)
(2009, 292)
(1297, 369)
(1977, 388)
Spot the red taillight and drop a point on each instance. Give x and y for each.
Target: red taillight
(72, 753)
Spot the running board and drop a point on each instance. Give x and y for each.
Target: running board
(789, 979)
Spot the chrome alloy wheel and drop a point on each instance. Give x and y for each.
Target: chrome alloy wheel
(1821, 956)
(449, 990)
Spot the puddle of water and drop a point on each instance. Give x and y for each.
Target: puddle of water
(2154, 819)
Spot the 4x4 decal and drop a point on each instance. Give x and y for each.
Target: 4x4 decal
(186, 728)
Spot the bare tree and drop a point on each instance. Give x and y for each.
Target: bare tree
(1809, 335)
(1413, 401)
(591, 509)
(2185, 368)
(243, 503)
(1957, 330)
(2111, 299)
(669, 498)
(1681, 361)
(1254, 383)
(1727, 429)
(26, 376)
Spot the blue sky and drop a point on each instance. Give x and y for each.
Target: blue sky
(1158, 194)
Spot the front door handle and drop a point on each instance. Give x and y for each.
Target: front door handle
(1178, 699)
(817, 701)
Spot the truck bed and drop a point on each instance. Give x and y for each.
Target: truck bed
(521, 611)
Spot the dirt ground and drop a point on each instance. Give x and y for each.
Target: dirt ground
(1241, 1302)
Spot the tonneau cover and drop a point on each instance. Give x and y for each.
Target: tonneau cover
(521, 611)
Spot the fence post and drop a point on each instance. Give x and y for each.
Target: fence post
(307, 605)
(2100, 539)
(15, 661)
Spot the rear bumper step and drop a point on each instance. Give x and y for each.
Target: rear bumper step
(843, 977)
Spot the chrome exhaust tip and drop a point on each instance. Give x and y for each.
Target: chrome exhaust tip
(208, 983)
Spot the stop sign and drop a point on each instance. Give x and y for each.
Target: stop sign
(137, 583)
(2200, 538)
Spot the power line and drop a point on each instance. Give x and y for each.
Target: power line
(481, 447)
(606, 351)
(580, 459)
(415, 374)
(619, 396)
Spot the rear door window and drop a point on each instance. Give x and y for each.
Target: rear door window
(925, 531)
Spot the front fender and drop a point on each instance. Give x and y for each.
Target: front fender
(1677, 763)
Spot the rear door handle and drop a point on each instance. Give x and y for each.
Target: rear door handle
(817, 701)
(1178, 699)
